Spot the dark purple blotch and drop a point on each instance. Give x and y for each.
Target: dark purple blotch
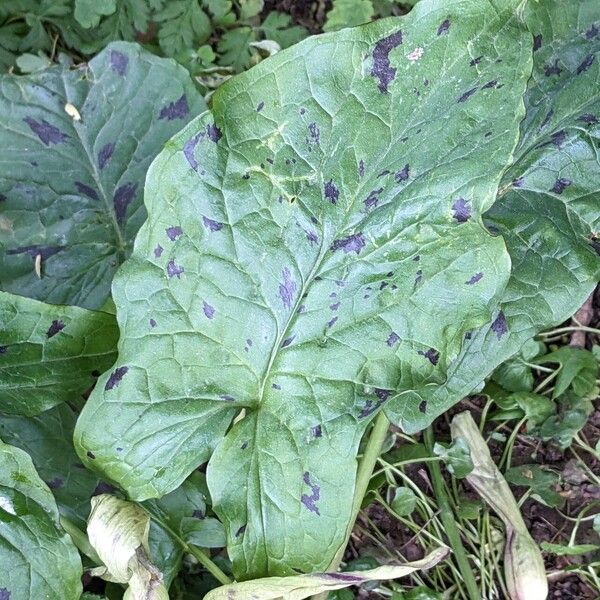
(552, 69)
(343, 577)
(103, 488)
(335, 305)
(174, 232)
(244, 445)
(403, 174)
(331, 322)
(393, 338)
(518, 182)
(423, 406)
(331, 191)
(556, 139)
(315, 495)
(198, 514)
(115, 378)
(89, 454)
(369, 408)
(490, 84)
(152, 323)
(432, 355)
(214, 133)
(209, 310)
(158, 251)
(475, 61)
(462, 210)
(174, 270)
(178, 109)
(276, 386)
(287, 288)
(3, 349)
(316, 431)
(382, 68)
(467, 95)
(353, 243)
(33, 251)
(4, 594)
(592, 32)
(588, 119)
(372, 199)
(240, 531)
(86, 190)
(311, 236)
(227, 398)
(119, 62)
(287, 341)
(212, 225)
(586, 64)
(105, 153)
(54, 484)
(537, 42)
(500, 326)
(477, 277)
(56, 326)
(315, 134)
(382, 394)
(444, 27)
(560, 185)
(122, 199)
(189, 148)
(47, 133)
(260, 106)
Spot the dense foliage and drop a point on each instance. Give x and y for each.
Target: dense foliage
(375, 221)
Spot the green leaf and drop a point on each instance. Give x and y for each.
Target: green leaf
(542, 483)
(205, 533)
(348, 13)
(72, 189)
(402, 500)
(576, 550)
(456, 456)
(549, 235)
(321, 271)
(89, 12)
(537, 408)
(578, 370)
(50, 354)
(29, 63)
(514, 374)
(250, 8)
(562, 427)
(39, 559)
(183, 24)
(234, 48)
(278, 27)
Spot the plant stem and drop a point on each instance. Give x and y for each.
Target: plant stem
(449, 521)
(363, 476)
(81, 541)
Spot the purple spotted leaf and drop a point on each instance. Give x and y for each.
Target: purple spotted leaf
(50, 353)
(44, 562)
(344, 238)
(74, 188)
(547, 208)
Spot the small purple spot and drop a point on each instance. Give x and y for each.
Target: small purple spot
(316, 431)
(287, 341)
(335, 306)
(276, 386)
(175, 110)
(311, 236)
(122, 198)
(586, 64)
(227, 398)
(332, 322)
(462, 210)
(115, 378)
(152, 323)
(418, 276)
(315, 134)
(119, 62)
(537, 42)
(244, 445)
(423, 406)
(353, 243)
(240, 531)
(315, 495)
(331, 192)
(500, 326)
(47, 133)
(382, 68)
(174, 232)
(103, 488)
(301, 309)
(467, 95)
(444, 27)
(372, 199)
(57, 325)
(198, 514)
(475, 61)
(382, 394)
(86, 190)
(260, 106)
(174, 269)
(403, 174)
(557, 139)
(432, 355)
(560, 185)
(552, 69)
(189, 148)
(53, 484)
(287, 288)
(212, 225)
(90, 454)
(477, 277)
(361, 168)
(214, 133)
(588, 118)
(158, 251)
(105, 153)
(592, 32)
(393, 338)
(417, 258)
(518, 182)
(209, 311)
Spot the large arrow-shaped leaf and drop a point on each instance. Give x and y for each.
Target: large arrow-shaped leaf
(313, 248)
(76, 145)
(548, 208)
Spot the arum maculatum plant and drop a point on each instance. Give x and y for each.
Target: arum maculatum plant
(358, 231)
